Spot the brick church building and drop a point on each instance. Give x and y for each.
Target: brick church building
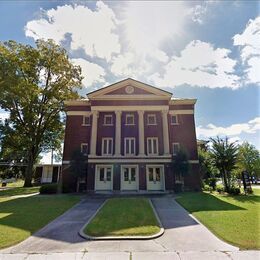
(129, 133)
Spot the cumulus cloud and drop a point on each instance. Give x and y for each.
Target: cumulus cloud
(211, 130)
(93, 31)
(92, 72)
(248, 41)
(199, 64)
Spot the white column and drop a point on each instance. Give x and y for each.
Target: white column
(141, 132)
(165, 132)
(118, 133)
(93, 140)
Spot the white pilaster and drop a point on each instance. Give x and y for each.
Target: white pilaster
(118, 133)
(165, 132)
(141, 132)
(93, 140)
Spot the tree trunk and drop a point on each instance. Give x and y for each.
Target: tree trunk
(225, 181)
(29, 172)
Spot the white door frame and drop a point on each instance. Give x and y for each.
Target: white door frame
(104, 166)
(137, 174)
(162, 171)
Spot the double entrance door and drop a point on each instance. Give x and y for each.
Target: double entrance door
(155, 178)
(129, 178)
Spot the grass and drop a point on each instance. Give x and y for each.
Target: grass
(21, 217)
(19, 191)
(124, 217)
(234, 219)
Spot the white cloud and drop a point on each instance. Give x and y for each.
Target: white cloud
(92, 72)
(250, 49)
(3, 115)
(94, 31)
(211, 130)
(199, 64)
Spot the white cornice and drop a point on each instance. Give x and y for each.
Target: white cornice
(181, 112)
(78, 113)
(79, 102)
(130, 97)
(130, 108)
(182, 101)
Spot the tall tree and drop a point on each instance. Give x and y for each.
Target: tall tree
(248, 159)
(224, 157)
(34, 83)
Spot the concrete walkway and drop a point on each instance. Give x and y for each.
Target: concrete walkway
(184, 238)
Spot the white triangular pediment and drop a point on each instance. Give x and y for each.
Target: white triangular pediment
(129, 89)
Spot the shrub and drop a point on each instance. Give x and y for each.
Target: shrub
(178, 187)
(49, 188)
(234, 190)
(207, 188)
(211, 182)
(220, 188)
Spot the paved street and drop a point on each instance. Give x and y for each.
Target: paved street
(184, 238)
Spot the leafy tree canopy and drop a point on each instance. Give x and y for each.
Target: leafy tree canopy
(34, 83)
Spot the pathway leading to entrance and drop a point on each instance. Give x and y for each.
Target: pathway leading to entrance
(183, 236)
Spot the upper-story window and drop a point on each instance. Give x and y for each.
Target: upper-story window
(152, 146)
(108, 120)
(86, 120)
(175, 148)
(151, 119)
(129, 119)
(107, 146)
(129, 146)
(84, 148)
(174, 120)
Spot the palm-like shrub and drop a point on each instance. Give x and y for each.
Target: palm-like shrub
(224, 157)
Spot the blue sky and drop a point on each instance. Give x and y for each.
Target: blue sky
(204, 50)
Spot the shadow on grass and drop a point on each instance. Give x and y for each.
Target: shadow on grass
(18, 191)
(195, 202)
(30, 214)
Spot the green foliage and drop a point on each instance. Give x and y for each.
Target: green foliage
(220, 188)
(180, 163)
(248, 160)
(234, 190)
(34, 83)
(211, 182)
(206, 187)
(224, 157)
(78, 164)
(49, 188)
(178, 187)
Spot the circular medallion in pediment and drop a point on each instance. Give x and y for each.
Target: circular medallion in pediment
(129, 90)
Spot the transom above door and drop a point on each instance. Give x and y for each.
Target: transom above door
(129, 177)
(104, 177)
(155, 177)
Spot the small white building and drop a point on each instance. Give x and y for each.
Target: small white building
(48, 173)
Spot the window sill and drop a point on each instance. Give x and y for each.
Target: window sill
(107, 124)
(129, 124)
(85, 124)
(151, 124)
(175, 124)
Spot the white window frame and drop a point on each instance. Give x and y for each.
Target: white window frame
(173, 144)
(84, 122)
(105, 118)
(152, 145)
(151, 115)
(177, 121)
(132, 116)
(103, 143)
(132, 152)
(81, 148)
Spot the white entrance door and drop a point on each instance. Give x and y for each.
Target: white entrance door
(155, 178)
(104, 178)
(129, 178)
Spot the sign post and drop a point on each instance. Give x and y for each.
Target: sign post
(246, 182)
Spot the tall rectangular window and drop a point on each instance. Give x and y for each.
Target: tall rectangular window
(174, 120)
(151, 119)
(86, 120)
(84, 148)
(107, 146)
(175, 148)
(108, 120)
(129, 146)
(129, 119)
(152, 146)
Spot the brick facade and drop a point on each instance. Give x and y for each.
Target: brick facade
(118, 171)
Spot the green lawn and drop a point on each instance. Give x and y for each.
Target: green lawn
(20, 217)
(18, 191)
(234, 219)
(124, 217)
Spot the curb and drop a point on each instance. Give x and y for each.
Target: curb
(82, 233)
